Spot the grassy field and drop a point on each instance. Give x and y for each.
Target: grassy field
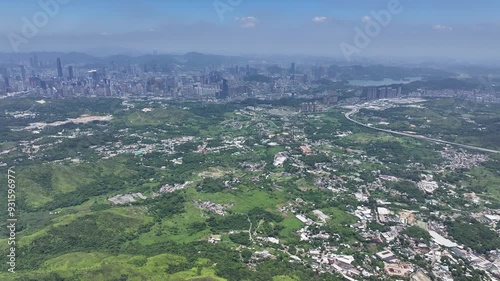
(483, 179)
(176, 228)
(96, 266)
(40, 183)
(289, 232)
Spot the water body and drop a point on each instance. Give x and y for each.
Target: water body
(386, 81)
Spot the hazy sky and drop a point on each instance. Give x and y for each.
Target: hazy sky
(451, 28)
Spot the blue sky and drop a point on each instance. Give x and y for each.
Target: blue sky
(424, 27)
(125, 13)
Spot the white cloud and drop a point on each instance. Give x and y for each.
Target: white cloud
(104, 33)
(440, 27)
(319, 19)
(366, 19)
(247, 22)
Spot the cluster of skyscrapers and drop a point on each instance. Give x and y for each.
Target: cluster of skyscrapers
(51, 78)
(383, 93)
(309, 107)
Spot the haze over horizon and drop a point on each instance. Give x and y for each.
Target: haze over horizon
(449, 29)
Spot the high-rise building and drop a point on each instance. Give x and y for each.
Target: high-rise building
(94, 77)
(309, 107)
(23, 72)
(71, 73)
(215, 77)
(304, 107)
(225, 88)
(382, 93)
(392, 93)
(35, 61)
(318, 72)
(59, 68)
(329, 100)
(224, 93)
(372, 94)
(6, 80)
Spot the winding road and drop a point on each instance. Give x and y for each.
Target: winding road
(354, 111)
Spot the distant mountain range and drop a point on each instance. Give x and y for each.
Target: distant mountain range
(191, 60)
